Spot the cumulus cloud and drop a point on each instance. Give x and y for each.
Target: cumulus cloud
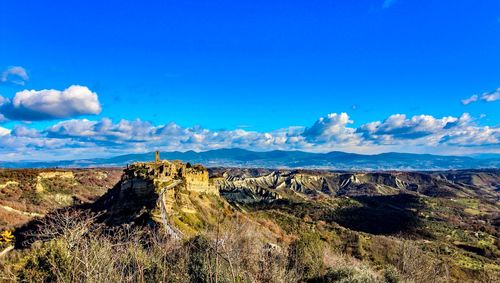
(13, 147)
(83, 138)
(398, 126)
(428, 131)
(138, 133)
(472, 136)
(332, 128)
(15, 74)
(103, 130)
(486, 97)
(47, 104)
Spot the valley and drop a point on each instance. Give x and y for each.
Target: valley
(407, 226)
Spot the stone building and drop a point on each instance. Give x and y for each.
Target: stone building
(163, 173)
(150, 190)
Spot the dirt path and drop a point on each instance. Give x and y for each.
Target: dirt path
(169, 229)
(10, 209)
(6, 250)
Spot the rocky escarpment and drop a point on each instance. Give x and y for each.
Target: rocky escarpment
(169, 195)
(245, 186)
(148, 191)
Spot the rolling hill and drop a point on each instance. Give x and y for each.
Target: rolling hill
(235, 157)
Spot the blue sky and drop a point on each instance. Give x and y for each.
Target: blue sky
(246, 69)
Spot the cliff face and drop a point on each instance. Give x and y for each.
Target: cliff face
(239, 185)
(148, 191)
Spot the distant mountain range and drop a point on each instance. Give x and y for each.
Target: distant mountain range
(285, 159)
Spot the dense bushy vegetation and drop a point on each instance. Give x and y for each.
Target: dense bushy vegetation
(71, 247)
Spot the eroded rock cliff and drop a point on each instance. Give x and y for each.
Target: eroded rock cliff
(148, 192)
(245, 186)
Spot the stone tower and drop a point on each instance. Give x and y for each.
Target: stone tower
(157, 156)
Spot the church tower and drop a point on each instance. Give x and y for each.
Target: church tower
(157, 156)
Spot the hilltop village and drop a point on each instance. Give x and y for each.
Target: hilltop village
(165, 173)
(154, 192)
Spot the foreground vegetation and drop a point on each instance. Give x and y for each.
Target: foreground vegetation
(234, 250)
(262, 244)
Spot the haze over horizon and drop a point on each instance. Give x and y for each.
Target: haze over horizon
(86, 80)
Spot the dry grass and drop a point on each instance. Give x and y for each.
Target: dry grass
(70, 247)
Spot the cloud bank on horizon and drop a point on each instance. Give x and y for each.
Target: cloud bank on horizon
(71, 137)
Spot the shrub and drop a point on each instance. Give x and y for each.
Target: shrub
(6, 237)
(347, 274)
(306, 256)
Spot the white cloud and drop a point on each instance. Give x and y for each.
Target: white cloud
(15, 75)
(3, 101)
(491, 96)
(333, 128)
(104, 130)
(428, 131)
(470, 99)
(139, 133)
(47, 104)
(486, 97)
(23, 131)
(472, 136)
(42, 148)
(4, 132)
(398, 126)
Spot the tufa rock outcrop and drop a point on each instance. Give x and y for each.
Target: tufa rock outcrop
(147, 192)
